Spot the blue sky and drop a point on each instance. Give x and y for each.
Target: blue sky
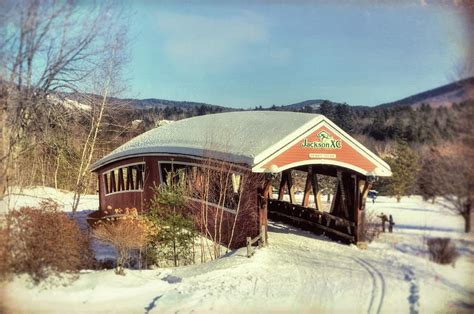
(248, 53)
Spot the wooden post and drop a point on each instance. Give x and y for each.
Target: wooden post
(249, 246)
(343, 194)
(286, 180)
(263, 212)
(334, 198)
(291, 192)
(311, 184)
(113, 186)
(363, 188)
(130, 183)
(106, 182)
(121, 183)
(263, 234)
(307, 187)
(363, 194)
(281, 190)
(317, 195)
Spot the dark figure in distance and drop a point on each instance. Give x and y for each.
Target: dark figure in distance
(384, 219)
(391, 223)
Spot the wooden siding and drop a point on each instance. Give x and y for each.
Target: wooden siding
(297, 153)
(247, 223)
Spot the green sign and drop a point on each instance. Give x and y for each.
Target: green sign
(324, 141)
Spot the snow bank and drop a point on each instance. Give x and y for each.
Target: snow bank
(296, 272)
(32, 196)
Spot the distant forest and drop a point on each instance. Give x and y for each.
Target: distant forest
(414, 125)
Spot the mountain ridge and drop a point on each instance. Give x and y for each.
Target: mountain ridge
(442, 96)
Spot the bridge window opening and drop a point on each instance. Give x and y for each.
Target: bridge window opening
(124, 178)
(219, 187)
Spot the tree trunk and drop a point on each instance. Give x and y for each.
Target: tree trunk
(467, 218)
(4, 145)
(398, 198)
(56, 170)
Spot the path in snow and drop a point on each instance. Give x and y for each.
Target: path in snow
(378, 286)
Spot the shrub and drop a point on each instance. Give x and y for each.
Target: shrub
(370, 227)
(442, 250)
(126, 233)
(42, 241)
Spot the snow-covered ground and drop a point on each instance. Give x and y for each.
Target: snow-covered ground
(296, 272)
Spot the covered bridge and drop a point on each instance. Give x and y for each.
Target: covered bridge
(232, 162)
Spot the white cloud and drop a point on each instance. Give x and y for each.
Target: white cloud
(213, 43)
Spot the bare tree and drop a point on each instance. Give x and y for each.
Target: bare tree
(107, 83)
(453, 176)
(48, 46)
(455, 183)
(222, 194)
(451, 173)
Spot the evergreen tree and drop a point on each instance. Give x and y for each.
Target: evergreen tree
(404, 165)
(344, 118)
(377, 128)
(174, 242)
(427, 176)
(397, 131)
(327, 110)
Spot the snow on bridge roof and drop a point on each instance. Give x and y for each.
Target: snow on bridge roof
(247, 137)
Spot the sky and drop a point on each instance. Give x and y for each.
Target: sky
(250, 53)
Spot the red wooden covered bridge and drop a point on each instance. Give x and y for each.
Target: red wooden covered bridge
(231, 162)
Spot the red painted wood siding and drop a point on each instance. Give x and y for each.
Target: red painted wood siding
(298, 153)
(247, 223)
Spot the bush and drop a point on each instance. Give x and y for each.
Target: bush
(42, 241)
(126, 233)
(370, 226)
(442, 250)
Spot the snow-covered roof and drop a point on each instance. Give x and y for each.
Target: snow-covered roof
(236, 136)
(247, 137)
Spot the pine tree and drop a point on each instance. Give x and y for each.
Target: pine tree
(327, 110)
(343, 117)
(175, 241)
(398, 129)
(427, 176)
(404, 165)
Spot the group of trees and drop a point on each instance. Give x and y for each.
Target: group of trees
(150, 116)
(446, 176)
(49, 51)
(414, 125)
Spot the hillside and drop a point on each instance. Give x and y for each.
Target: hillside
(149, 103)
(312, 103)
(443, 96)
(163, 103)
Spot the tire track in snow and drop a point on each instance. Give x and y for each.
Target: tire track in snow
(377, 282)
